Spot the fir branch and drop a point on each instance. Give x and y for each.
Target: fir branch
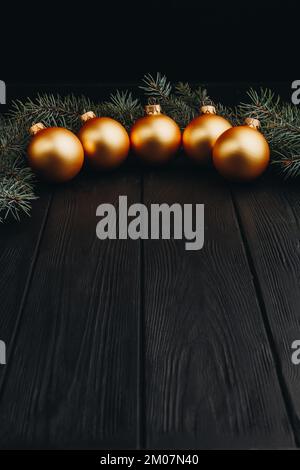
(13, 137)
(280, 123)
(16, 179)
(16, 187)
(51, 110)
(123, 107)
(159, 90)
(288, 162)
(195, 98)
(182, 104)
(157, 87)
(231, 114)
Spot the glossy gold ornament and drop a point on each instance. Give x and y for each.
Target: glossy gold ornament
(242, 153)
(155, 138)
(105, 141)
(55, 153)
(202, 133)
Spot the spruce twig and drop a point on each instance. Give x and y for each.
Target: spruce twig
(281, 126)
(157, 87)
(51, 110)
(123, 107)
(16, 179)
(181, 102)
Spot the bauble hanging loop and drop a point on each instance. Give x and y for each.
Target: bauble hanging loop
(87, 116)
(242, 153)
(155, 138)
(105, 141)
(254, 123)
(54, 153)
(36, 128)
(208, 109)
(202, 133)
(153, 109)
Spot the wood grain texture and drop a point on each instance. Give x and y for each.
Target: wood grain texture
(19, 242)
(210, 377)
(270, 214)
(73, 374)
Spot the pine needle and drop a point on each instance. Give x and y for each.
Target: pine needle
(280, 124)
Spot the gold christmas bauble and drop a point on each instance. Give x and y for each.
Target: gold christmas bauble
(242, 153)
(202, 133)
(105, 141)
(55, 153)
(155, 138)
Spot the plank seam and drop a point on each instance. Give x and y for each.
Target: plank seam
(268, 330)
(141, 432)
(26, 291)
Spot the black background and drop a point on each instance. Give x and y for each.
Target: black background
(45, 45)
(114, 42)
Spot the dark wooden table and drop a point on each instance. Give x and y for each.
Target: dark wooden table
(130, 344)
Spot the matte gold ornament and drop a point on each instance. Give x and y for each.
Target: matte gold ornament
(202, 133)
(55, 153)
(155, 138)
(242, 153)
(105, 141)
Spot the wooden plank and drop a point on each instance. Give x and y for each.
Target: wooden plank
(210, 377)
(19, 243)
(73, 380)
(270, 213)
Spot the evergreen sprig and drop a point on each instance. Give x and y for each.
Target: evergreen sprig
(280, 124)
(16, 178)
(157, 87)
(51, 110)
(123, 107)
(181, 102)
